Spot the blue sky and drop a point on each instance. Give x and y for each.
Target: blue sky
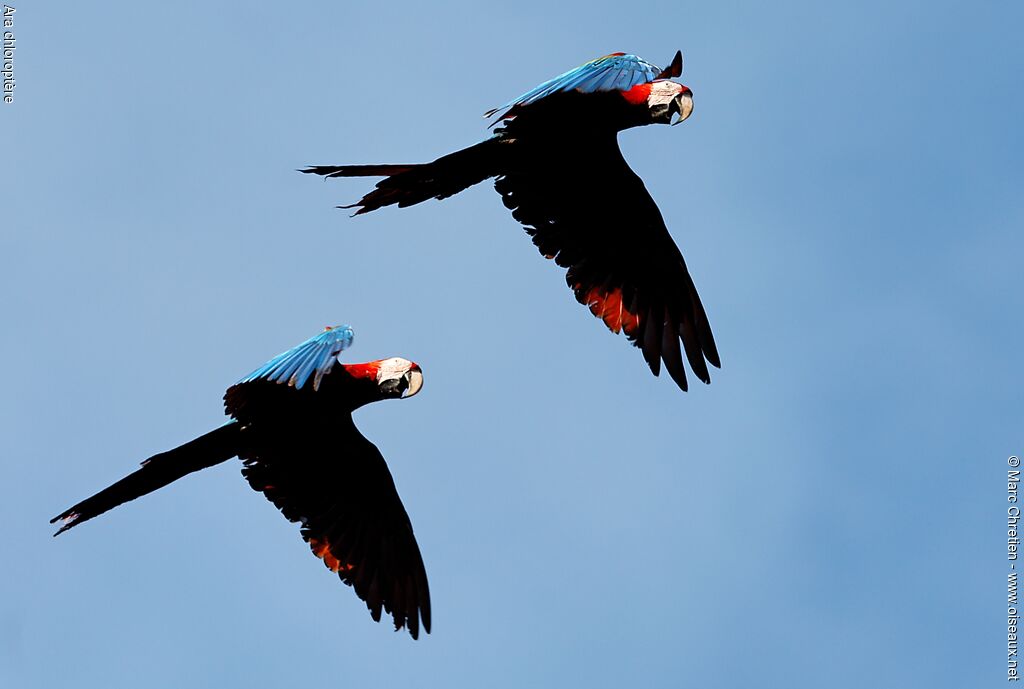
(831, 509)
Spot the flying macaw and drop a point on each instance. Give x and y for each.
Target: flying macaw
(292, 428)
(559, 170)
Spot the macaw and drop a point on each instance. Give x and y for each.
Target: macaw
(292, 428)
(559, 170)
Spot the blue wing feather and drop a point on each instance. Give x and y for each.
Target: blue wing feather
(608, 82)
(287, 374)
(625, 80)
(608, 73)
(295, 371)
(303, 372)
(316, 355)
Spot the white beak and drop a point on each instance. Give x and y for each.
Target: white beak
(685, 106)
(415, 382)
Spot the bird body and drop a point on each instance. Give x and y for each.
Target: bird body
(293, 430)
(558, 168)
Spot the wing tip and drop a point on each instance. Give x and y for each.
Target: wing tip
(674, 69)
(70, 519)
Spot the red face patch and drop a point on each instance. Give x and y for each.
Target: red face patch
(368, 370)
(638, 94)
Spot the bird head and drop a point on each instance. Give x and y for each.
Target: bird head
(657, 102)
(668, 98)
(394, 377)
(399, 377)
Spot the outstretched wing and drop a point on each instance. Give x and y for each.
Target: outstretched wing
(320, 471)
(586, 209)
(615, 72)
(317, 355)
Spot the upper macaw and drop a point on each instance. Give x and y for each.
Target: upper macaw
(560, 171)
(292, 428)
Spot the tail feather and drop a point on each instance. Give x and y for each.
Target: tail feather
(358, 170)
(407, 185)
(158, 471)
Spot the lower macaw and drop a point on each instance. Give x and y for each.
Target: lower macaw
(292, 428)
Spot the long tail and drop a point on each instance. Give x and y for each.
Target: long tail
(406, 185)
(156, 472)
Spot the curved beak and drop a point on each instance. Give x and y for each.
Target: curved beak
(684, 103)
(414, 381)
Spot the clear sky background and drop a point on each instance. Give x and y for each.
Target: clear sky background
(829, 512)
